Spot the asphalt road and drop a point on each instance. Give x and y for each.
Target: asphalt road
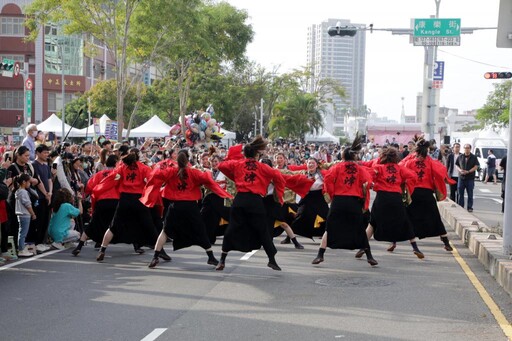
(60, 297)
(487, 204)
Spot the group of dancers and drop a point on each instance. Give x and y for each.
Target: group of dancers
(249, 201)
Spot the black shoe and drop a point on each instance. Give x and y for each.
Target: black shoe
(470, 210)
(220, 266)
(286, 241)
(153, 263)
(75, 252)
(137, 249)
(448, 248)
(419, 254)
(100, 257)
(164, 256)
(273, 266)
(360, 253)
(213, 261)
(372, 262)
(299, 246)
(391, 248)
(317, 260)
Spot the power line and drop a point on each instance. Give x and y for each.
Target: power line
(472, 60)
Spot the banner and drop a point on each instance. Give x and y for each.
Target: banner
(97, 131)
(111, 130)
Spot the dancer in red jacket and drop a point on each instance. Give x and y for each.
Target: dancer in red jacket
(183, 220)
(247, 229)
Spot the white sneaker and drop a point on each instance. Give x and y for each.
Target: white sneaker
(58, 246)
(25, 253)
(42, 248)
(31, 248)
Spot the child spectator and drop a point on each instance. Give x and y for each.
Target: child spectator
(24, 212)
(62, 223)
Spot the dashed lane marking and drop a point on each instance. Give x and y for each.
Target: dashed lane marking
(248, 255)
(154, 334)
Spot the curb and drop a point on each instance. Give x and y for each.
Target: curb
(486, 246)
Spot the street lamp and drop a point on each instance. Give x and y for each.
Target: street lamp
(60, 47)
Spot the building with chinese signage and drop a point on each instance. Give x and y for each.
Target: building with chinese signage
(52, 57)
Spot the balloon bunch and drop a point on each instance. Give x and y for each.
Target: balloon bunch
(201, 127)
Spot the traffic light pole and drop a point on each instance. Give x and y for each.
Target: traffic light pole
(507, 205)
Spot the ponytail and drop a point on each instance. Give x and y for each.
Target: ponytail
(182, 164)
(19, 179)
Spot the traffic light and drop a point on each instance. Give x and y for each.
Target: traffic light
(18, 120)
(6, 66)
(497, 75)
(339, 30)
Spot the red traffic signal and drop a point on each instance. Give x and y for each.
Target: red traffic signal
(497, 75)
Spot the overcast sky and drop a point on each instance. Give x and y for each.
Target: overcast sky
(394, 67)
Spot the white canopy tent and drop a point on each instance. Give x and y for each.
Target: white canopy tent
(53, 124)
(229, 137)
(89, 131)
(325, 136)
(154, 127)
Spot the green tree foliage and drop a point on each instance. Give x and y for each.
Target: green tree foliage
(297, 116)
(210, 34)
(496, 110)
(102, 101)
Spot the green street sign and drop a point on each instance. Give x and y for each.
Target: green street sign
(435, 27)
(6, 67)
(29, 105)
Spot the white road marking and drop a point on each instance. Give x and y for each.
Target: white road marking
(26, 260)
(499, 201)
(154, 334)
(248, 255)
(484, 190)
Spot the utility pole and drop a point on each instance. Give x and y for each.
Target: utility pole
(261, 117)
(504, 40)
(61, 50)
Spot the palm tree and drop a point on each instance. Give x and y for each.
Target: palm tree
(299, 115)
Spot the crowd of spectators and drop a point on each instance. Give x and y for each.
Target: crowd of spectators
(45, 181)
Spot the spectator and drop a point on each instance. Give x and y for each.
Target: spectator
(62, 223)
(503, 166)
(433, 150)
(24, 212)
(29, 140)
(42, 171)
(467, 164)
(100, 165)
(491, 167)
(157, 157)
(453, 172)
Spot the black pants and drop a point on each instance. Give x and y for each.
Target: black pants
(37, 231)
(454, 195)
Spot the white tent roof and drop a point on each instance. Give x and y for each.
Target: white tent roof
(325, 136)
(89, 131)
(229, 135)
(154, 127)
(54, 124)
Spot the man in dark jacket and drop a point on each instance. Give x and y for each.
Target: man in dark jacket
(466, 164)
(453, 172)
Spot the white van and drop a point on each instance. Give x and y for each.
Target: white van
(481, 146)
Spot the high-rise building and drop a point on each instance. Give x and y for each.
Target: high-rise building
(341, 59)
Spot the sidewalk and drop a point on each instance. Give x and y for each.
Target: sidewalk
(482, 240)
